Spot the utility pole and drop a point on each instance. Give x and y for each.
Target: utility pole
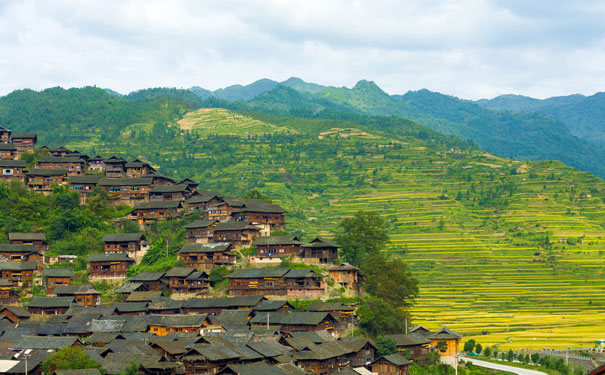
(267, 321)
(406, 326)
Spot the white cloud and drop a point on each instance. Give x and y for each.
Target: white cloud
(468, 48)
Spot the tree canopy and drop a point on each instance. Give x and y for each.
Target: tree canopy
(363, 236)
(68, 358)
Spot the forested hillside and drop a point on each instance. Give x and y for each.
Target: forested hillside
(517, 243)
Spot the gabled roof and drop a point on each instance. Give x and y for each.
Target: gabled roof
(44, 342)
(50, 302)
(180, 272)
(235, 225)
(136, 163)
(17, 311)
(26, 237)
(232, 302)
(259, 205)
(269, 348)
(277, 240)
(128, 288)
(169, 189)
(200, 224)
(17, 248)
(106, 325)
(126, 181)
(58, 272)
(232, 319)
(198, 275)
(297, 273)
(123, 237)
(85, 179)
(7, 147)
(144, 296)
(24, 136)
(203, 197)
(47, 172)
(74, 289)
(206, 248)
(323, 351)
(89, 371)
(158, 205)
(13, 163)
(343, 267)
(114, 160)
(322, 242)
(188, 181)
(178, 320)
(445, 334)
(354, 344)
(255, 273)
(291, 318)
(61, 159)
(123, 307)
(329, 306)
(146, 276)
(109, 257)
(395, 359)
(212, 352)
(18, 266)
(270, 305)
(411, 339)
(262, 368)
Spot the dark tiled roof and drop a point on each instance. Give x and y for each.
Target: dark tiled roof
(124, 181)
(18, 266)
(254, 273)
(233, 302)
(44, 342)
(178, 320)
(329, 306)
(343, 267)
(128, 288)
(70, 290)
(180, 272)
(158, 205)
(234, 225)
(200, 224)
(169, 189)
(13, 163)
(58, 272)
(123, 237)
(146, 276)
(396, 359)
(206, 248)
(18, 311)
(23, 136)
(277, 240)
(291, 318)
(47, 172)
(109, 257)
(50, 302)
(259, 205)
(445, 334)
(411, 339)
(123, 307)
(86, 179)
(60, 159)
(322, 242)
(7, 147)
(27, 237)
(16, 248)
(143, 296)
(114, 159)
(90, 371)
(270, 305)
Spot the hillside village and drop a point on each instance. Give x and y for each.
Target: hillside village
(177, 322)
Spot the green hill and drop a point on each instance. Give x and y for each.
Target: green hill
(508, 247)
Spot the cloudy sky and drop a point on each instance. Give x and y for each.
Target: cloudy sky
(468, 48)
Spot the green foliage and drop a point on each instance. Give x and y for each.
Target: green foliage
(362, 237)
(478, 348)
(377, 317)
(131, 369)
(510, 356)
(469, 345)
(385, 346)
(391, 280)
(217, 274)
(442, 346)
(487, 352)
(256, 194)
(68, 358)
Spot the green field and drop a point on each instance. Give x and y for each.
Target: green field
(480, 232)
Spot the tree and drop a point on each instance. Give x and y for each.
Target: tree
(377, 317)
(131, 369)
(478, 348)
(442, 346)
(68, 358)
(487, 352)
(391, 280)
(510, 356)
(256, 194)
(469, 345)
(385, 346)
(363, 236)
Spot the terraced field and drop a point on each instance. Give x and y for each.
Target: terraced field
(508, 252)
(207, 121)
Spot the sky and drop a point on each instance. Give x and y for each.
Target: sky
(468, 48)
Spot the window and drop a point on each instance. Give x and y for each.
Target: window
(7, 172)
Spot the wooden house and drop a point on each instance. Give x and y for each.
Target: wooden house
(392, 364)
(12, 169)
(126, 191)
(24, 141)
(258, 368)
(8, 151)
(277, 246)
(137, 168)
(204, 257)
(49, 305)
(296, 321)
(413, 345)
(320, 248)
(83, 294)
(187, 280)
(361, 351)
(200, 231)
(451, 340)
(223, 208)
(42, 180)
(261, 213)
(83, 185)
(54, 277)
(21, 253)
(213, 306)
(132, 244)
(149, 212)
(5, 135)
(162, 325)
(8, 294)
(344, 314)
(208, 359)
(159, 179)
(74, 166)
(14, 314)
(202, 199)
(61, 151)
(151, 281)
(114, 167)
(240, 234)
(345, 274)
(96, 164)
(168, 193)
(273, 306)
(326, 358)
(275, 281)
(109, 265)
(37, 240)
(189, 183)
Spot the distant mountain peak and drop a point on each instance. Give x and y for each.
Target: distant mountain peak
(365, 85)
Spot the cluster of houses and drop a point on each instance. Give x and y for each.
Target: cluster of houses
(238, 335)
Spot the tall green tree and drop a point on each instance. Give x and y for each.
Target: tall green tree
(363, 236)
(68, 358)
(391, 280)
(377, 317)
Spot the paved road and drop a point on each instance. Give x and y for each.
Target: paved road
(497, 366)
